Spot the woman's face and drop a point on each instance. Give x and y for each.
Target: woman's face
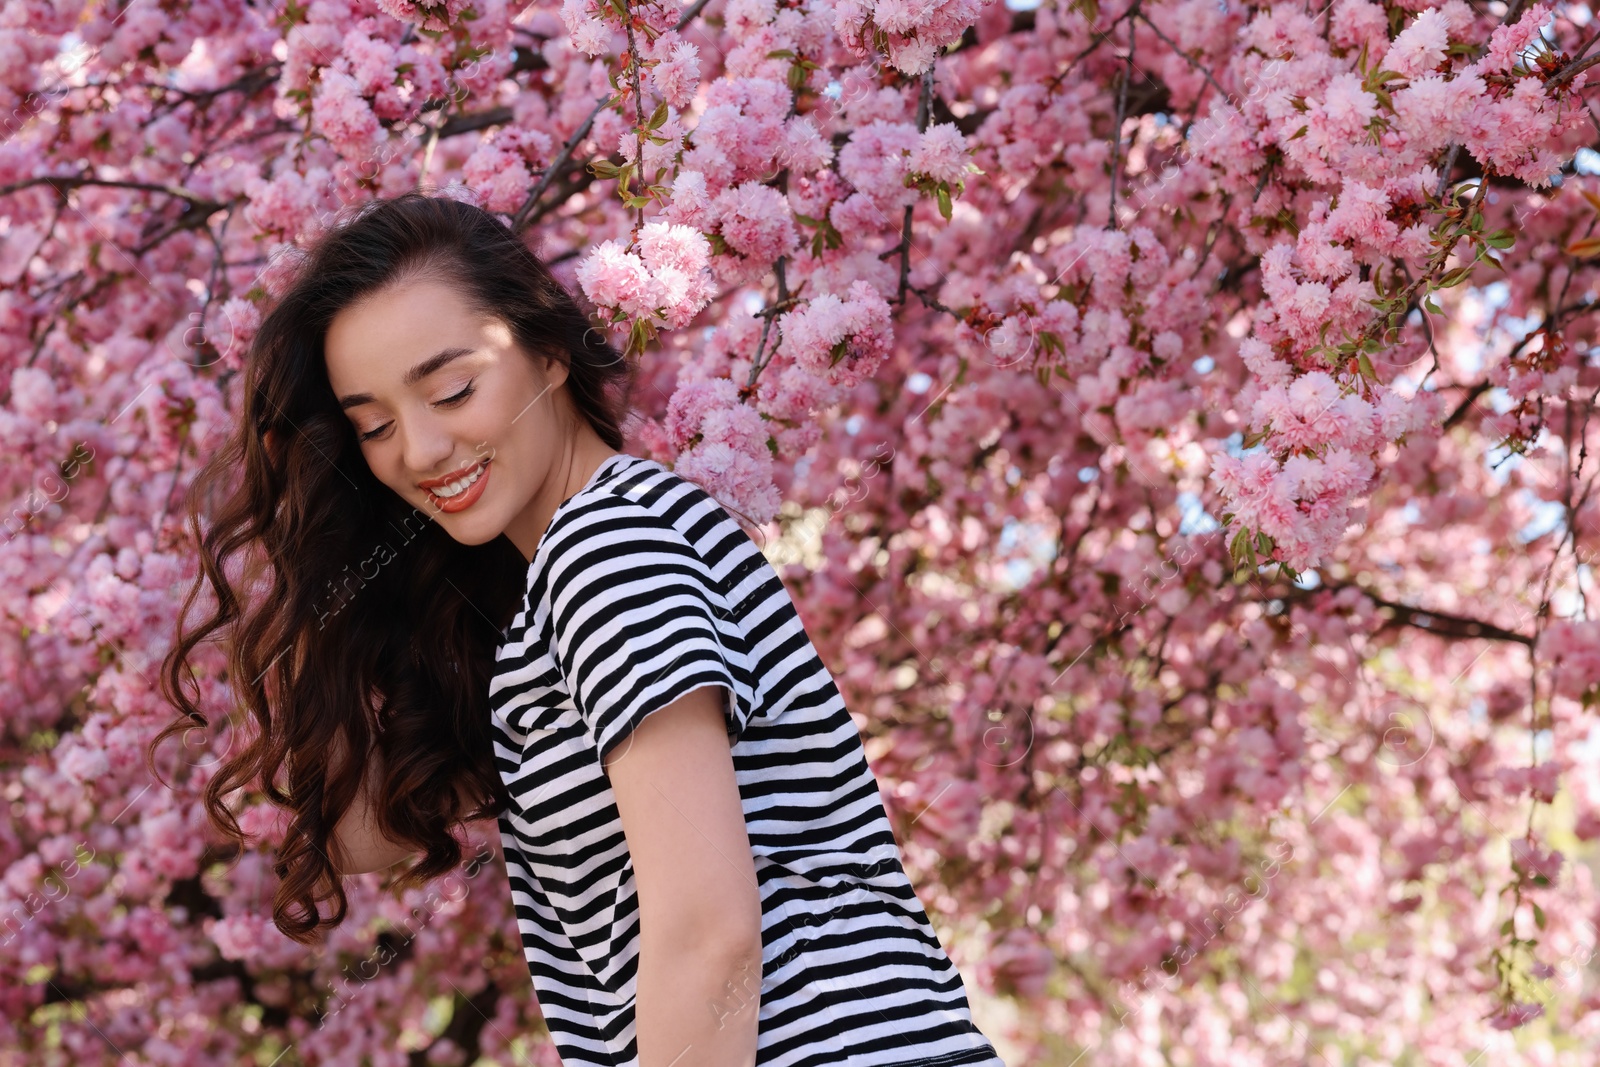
(450, 412)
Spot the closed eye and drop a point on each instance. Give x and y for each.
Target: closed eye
(460, 397)
(449, 401)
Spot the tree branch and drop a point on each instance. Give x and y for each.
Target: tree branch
(520, 219)
(924, 109)
(1439, 623)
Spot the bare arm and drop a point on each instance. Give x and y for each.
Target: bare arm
(356, 835)
(699, 978)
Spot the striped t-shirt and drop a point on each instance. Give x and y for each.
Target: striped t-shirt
(644, 588)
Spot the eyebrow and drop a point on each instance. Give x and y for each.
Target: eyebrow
(412, 376)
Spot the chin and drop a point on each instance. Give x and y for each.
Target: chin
(469, 531)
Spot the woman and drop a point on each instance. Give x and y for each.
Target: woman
(467, 580)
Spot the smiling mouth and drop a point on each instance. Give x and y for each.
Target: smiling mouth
(459, 492)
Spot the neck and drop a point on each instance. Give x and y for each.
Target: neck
(569, 474)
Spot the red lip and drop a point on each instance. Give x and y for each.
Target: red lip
(434, 483)
(466, 498)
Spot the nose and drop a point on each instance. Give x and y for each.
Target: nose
(427, 448)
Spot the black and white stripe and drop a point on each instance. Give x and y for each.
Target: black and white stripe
(642, 589)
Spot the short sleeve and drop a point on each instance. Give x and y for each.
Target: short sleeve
(634, 617)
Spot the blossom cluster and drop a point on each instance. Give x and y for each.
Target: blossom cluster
(1174, 422)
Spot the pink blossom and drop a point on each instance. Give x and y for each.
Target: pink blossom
(589, 34)
(690, 403)
(755, 221)
(614, 277)
(840, 340)
(941, 154)
(677, 74)
(343, 116)
(1421, 45)
(1507, 43)
(804, 149)
(740, 479)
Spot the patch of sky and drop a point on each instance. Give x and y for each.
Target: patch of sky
(1196, 519)
(1234, 442)
(1022, 5)
(1494, 295)
(1542, 742)
(919, 382)
(1038, 542)
(1309, 579)
(72, 53)
(1549, 516)
(1588, 750)
(1204, 365)
(1088, 474)
(1499, 460)
(852, 425)
(1586, 161)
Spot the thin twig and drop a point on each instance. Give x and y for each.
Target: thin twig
(519, 220)
(1116, 126)
(64, 182)
(1444, 173)
(924, 107)
(689, 15)
(1195, 63)
(638, 114)
(1573, 69)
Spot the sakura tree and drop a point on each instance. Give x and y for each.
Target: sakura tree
(1171, 418)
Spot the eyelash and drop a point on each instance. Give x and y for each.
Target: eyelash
(450, 401)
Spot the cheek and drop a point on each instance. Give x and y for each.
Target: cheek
(383, 459)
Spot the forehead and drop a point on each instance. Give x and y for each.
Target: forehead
(374, 342)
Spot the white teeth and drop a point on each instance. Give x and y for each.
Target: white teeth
(457, 487)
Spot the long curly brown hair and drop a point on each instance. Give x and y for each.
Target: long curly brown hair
(349, 619)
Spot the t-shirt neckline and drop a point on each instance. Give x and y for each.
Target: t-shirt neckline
(606, 464)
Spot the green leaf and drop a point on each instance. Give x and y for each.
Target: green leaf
(1301, 132)
(658, 116)
(1500, 239)
(1428, 303)
(781, 53)
(1366, 368)
(943, 193)
(1240, 549)
(1538, 916)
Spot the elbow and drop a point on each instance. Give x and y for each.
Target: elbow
(731, 945)
(732, 970)
(729, 937)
